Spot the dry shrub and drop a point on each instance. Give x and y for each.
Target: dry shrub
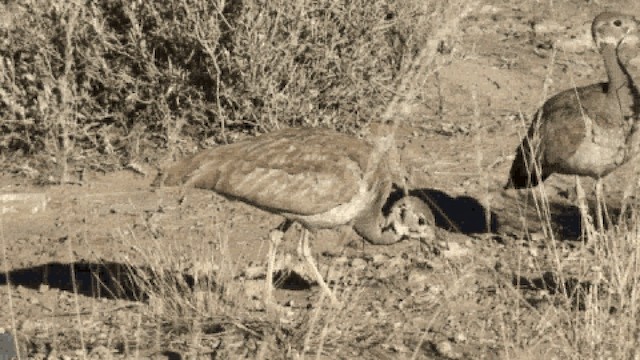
(103, 83)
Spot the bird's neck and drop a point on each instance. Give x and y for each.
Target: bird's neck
(372, 226)
(619, 85)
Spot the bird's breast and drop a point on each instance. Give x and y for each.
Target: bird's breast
(602, 150)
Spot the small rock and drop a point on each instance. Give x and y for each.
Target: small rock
(434, 290)
(537, 236)
(28, 326)
(547, 27)
(489, 9)
(417, 280)
(396, 262)
(33, 301)
(358, 264)
(254, 272)
(379, 259)
(342, 260)
(254, 289)
(455, 250)
(101, 352)
(333, 277)
(445, 349)
(460, 337)
(397, 348)
(43, 288)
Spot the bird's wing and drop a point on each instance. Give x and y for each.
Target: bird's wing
(564, 115)
(555, 134)
(299, 171)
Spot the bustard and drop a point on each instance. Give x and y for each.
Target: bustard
(591, 130)
(317, 177)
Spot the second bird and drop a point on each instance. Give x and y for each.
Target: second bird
(591, 130)
(317, 177)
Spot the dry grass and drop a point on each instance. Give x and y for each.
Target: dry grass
(100, 85)
(585, 299)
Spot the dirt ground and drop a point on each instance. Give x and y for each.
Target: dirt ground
(399, 299)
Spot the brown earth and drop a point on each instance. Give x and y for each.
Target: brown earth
(461, 303)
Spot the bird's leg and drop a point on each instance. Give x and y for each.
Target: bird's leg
(587, 225)
(275, 237)
(306, 252)
(599, 206)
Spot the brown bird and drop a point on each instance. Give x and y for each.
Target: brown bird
(591, 130)
(317, 177)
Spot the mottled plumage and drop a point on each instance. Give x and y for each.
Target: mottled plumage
(317, 177)
(589, 130)
(302, 172)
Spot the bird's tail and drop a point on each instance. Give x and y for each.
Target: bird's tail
(182, 172)
(524, 170)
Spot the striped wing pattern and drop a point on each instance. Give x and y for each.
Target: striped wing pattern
(298, 171)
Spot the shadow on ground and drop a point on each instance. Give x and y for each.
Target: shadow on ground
(463, 214)
(112, 280)
(518, 212)
(575, 291)
(108, 280)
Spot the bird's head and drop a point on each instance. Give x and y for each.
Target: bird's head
(611, 28)
(411, 218)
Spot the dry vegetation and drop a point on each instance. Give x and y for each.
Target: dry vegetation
(105, 83)
(101, 85)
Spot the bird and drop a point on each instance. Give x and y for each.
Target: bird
(317, 177)
(590, 130)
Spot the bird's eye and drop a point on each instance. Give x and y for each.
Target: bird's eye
(617, 23)
(422, 221)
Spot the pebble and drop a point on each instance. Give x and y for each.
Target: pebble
(445, 349)
(358, 264)
(460, 338)
(380, 259)
(254, 272)
(537, 236)
(101, 352)
(417, 280)
(342, 260)
(254, 289)
(396, 261)
(547, 27)
(455, 250)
